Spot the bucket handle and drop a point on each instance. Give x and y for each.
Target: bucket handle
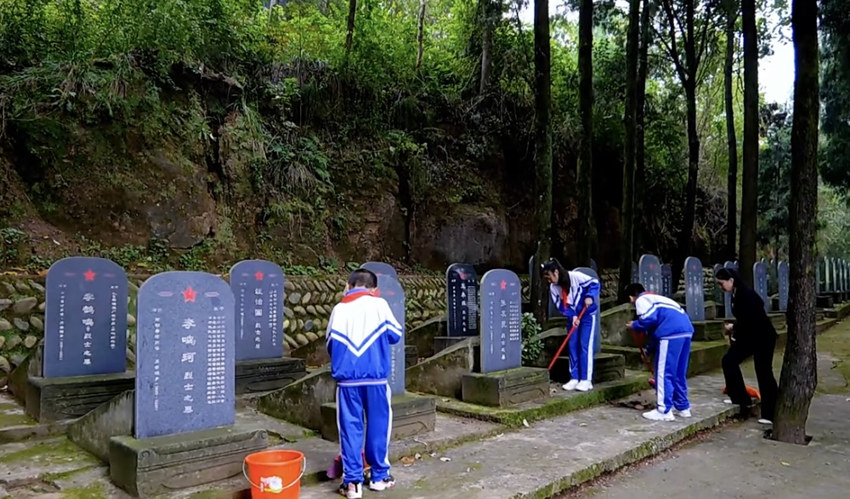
(303, 468)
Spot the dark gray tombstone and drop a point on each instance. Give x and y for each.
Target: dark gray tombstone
(381, 268)
(501, 321)
(828, 275)
(782, 277)
(650, 273)
(667, 280)
(760, 283)
(694, 299)
(462, 296)
(185, 354)
(635, 273)
(391, 291)
(257, 287)
(597, 339)
(818, 275)
(85, 318)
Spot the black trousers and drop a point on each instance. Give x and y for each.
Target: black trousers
(761, 350)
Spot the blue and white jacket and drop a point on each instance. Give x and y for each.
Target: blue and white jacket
(661, 317)
(361, 329)
(581, 286)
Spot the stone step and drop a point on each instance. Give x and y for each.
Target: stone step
(606, 367)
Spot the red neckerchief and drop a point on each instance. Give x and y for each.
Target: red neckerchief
(358, 294)
(564, 299)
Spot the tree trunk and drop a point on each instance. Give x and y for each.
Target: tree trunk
(731, 136)
(420, 36)
(627, 210)
(640, 102)
(749, 181)
(584, 175)
(349, 35)
(686, 234)
(799, 368)
(486, 8)
(542, 154)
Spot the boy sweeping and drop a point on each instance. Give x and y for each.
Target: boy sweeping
(360, 332)
(670, 332)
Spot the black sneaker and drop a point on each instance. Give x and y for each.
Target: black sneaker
(386, 483)
(351, 490)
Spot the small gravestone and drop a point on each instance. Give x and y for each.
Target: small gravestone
(760, 283)
(85, 340)
(667, 280)
(502, 380)
(828, 275)
(650, 273)
(381, 268)
(412, 414)
(818, 274)
(185, 395)
(782, 277)
(462, 295)
(258, 290)
(694, 299)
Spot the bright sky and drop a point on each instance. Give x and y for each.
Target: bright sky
(776, 72)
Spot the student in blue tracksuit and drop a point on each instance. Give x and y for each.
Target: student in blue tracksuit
(575, 292)
(361, 329)
(670, 332)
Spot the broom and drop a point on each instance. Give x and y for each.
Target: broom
(644, 357)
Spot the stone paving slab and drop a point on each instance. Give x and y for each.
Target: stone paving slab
(551, 455)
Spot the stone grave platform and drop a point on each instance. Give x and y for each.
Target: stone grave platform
(505, 388)
(412, 415)
(838, 311)
(262, 375)
(606, 367)
(443, 342)
(56, 399)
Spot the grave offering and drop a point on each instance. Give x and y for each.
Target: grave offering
(694, 299)
(667, 280)
(257, 287)
(412, 414)
(85, 340)
(783, 276)
(462, 297)
(502, 381)
(650, 273)
(760, 283)
(185, 395)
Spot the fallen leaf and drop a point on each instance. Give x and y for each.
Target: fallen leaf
(783, 463)
(407, 460)
(525, 423)
(582, 424)
(445, 459)
(639, 407)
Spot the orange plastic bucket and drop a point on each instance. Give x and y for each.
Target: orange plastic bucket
(275, 474)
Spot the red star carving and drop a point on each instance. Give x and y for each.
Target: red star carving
(258, 276)
(503, 284)
(189, 295)
(462, 275)
(89, 275)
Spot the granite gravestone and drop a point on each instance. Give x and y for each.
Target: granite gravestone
(597, 337)
(694, 299)
(650, 273)
(760, 283)
(185, 350)
(391, 291)
(727, 297)
(667, 280)
(782, 275)
(85, 318)
(257, 287)
(501, 321)
(381, 268)
(828, 274)
(462, 295)
(818, 282)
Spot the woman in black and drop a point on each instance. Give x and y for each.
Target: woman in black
(753, 335)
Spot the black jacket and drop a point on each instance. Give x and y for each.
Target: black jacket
(751, 321)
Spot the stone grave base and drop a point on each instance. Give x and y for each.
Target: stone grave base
(443, 342)
(506, 388)
(412, 415)
(160, 465)
(55, 399)
(411, 356)
(261, 375)
(708, 330)
(825, 301)
(606, 367)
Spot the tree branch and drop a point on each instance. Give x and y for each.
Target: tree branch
(672, 49)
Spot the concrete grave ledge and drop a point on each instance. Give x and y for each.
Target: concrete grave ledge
(442, 374)
(561, 402)
(839, 311)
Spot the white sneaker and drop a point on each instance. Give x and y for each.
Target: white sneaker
(765, 421)
(727, 401)
(684, 414)
(654, 415)
(570, 385)
(584, 386)
(386, 483)
(351, 491)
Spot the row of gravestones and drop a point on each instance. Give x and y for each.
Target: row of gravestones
(832, 275)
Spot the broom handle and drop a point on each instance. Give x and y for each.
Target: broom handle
(564, 344)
